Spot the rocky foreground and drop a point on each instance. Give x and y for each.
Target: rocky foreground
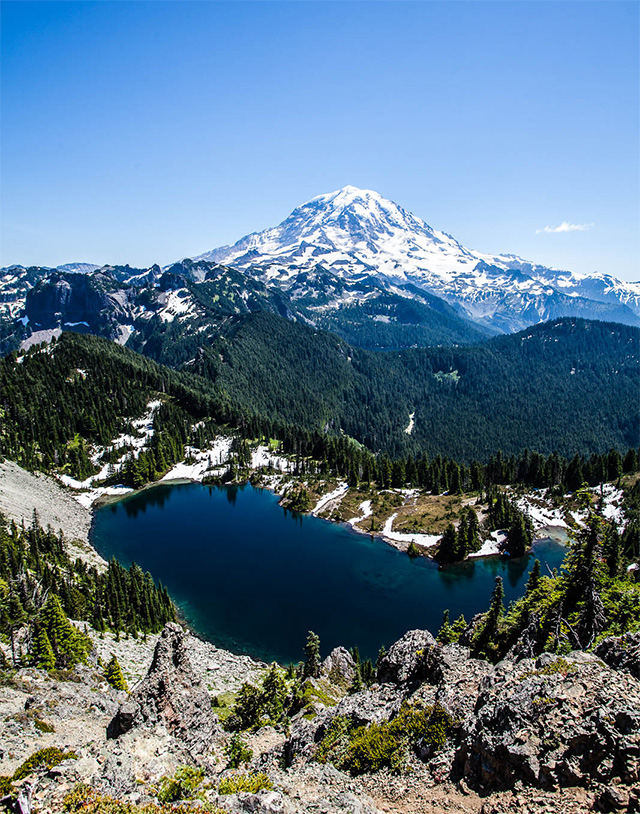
(530, 735)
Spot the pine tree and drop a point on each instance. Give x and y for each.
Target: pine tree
(611, 550)
(68, 644)
(496, 608)
(114, 676)
(533, 583)
(518, 538)
(444, 634)
(41, 650)
(312, 652)
(448, 546)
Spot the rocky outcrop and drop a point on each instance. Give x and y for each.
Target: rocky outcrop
(621, 653)
(452, 678)
(339, 667)
(92, 303)
(552, 722)
(171, 694)
(403, 663)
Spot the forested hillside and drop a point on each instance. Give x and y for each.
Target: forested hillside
(568, 386)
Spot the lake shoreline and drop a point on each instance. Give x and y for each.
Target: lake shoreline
(490, 548)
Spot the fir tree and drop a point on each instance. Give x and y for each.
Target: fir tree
(68, 644)
(533, 582)
(41, 651)
(444, 634)
(312, 653)
(114, 676)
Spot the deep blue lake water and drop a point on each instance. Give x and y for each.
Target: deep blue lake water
(252, 577)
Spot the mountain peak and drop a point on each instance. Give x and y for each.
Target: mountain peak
(347, 194)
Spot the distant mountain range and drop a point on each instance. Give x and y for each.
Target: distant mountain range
(350, 262)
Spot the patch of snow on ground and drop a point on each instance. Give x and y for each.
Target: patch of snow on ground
(491, 546)
(262, 456)
(409, 429)
(612, 499)
(144, 425)
(342, 489)
(541, 516)
(425, 540)
(365, 511)
(88, 498)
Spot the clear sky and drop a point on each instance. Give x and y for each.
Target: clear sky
(144, 132)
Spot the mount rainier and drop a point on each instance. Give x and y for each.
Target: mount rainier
(353, 233)
(350, 262)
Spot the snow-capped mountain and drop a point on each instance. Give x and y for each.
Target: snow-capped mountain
(354, 232)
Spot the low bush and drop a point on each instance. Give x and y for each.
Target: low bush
(252, 783)
(387, 744)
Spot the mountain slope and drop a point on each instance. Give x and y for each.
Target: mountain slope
(567, 386)
(354, 232)
(169, 314)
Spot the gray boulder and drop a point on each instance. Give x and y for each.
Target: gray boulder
(456, 677)
(403, 663)
(339, 667)
(621, 653)
(170, 694)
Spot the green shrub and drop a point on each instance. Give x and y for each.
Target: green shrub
(558, 667)
(43, 726)
(374, 747)
(244, 782)
(184, 785)
(6, 786)
(42, 759)
(82, 799)
(335, 743)
(383, 745)
(237, 752)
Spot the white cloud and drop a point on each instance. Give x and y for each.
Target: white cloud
(565, 226)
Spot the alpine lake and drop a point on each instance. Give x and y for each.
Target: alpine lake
(254, 578)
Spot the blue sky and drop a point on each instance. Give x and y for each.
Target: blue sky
(146, 132)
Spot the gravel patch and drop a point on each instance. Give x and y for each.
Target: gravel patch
(22, 492)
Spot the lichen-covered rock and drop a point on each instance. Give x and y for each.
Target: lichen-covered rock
(403, 663)
(171, 694)
(555, 721)
(621, 652)
(339, 667)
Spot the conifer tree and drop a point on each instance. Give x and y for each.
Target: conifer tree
(114, 676)
(444, 634)
(312, 653)
(533, 582)
(41, 650)
(68, 644)
(448, 546)
(518, 537)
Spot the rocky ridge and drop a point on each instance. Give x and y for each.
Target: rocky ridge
(529, 734)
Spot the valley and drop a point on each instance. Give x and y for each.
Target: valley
(336, 431)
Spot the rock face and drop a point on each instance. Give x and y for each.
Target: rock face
(403, 663)
(621, 653)
(171, 694)
(552, 722)
(339, 667)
